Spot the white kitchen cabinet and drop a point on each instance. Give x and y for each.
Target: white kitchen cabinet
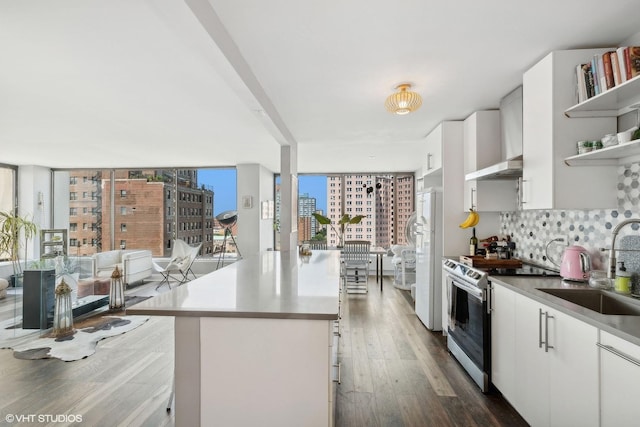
(433, 161)
(531, 398)
(573, 380)
(549, 136)
(445, 142)
(556, 365)
(482, 149)
(619, 381)
(503, 334)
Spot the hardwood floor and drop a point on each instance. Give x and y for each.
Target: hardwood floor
(394, 373)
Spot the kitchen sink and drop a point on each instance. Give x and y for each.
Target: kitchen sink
(597, 300)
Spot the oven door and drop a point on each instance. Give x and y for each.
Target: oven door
(468, 321)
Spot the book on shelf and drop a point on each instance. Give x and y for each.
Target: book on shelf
(617, 78)
(608, 70)
(595, 77)
(583, 82)
(602, 81)
(634, 61)
(621, 64)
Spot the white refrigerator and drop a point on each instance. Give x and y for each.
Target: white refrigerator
(429, 258)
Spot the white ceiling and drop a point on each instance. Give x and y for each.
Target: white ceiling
(152, 83)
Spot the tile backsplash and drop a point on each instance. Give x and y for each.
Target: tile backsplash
(533, 230)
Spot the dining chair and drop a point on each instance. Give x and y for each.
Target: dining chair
(316, 244)
(355, 265)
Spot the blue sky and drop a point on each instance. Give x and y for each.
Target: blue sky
(224, 184)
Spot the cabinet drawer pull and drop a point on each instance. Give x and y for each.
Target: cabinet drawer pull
(619, 353)
(540, 342)
(337, 380)
(546, 331)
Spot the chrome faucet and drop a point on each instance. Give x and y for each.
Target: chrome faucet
(612, 252)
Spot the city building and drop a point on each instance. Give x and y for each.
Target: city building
(151, 209)
(387, 202)
(307, 224)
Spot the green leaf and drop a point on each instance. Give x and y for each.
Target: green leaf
(356, 219)
(344, 220)
(321, 219)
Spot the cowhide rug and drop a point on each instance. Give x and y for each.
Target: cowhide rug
(29, 344)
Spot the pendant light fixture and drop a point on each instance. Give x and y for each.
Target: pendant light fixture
(403, 101)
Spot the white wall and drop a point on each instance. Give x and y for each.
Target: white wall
(34, 201)
(255, 234)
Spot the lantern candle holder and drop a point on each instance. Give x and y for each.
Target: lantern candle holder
(116, 291)
(63, 314)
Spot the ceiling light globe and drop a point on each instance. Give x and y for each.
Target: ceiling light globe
(404, 101)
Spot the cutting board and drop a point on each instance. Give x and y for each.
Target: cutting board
(479, 261)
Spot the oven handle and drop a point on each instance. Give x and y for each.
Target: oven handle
(471, 290)
(489, 299)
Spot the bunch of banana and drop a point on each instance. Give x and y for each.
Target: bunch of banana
(472, 219)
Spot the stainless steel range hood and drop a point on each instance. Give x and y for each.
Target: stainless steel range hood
(508, 169)
(511, 141)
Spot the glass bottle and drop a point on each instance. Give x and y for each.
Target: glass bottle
(473, 243)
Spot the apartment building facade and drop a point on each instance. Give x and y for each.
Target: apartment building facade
(151, 208)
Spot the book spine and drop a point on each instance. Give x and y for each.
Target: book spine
(581, 88)
(601, 79)
(616, 69)
(608, 70)
(634, 59)
(595, 76)
(621, 64)
(591, 88)
(627, 62)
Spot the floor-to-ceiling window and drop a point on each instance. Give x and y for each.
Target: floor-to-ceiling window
(105, 209)
(385, 200)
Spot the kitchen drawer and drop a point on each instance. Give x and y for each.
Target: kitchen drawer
(619, 381)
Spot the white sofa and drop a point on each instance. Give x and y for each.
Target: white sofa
(135, 265)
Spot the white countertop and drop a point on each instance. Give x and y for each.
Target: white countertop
(271, 284)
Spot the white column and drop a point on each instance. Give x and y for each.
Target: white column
(288, 197)
(255, 183)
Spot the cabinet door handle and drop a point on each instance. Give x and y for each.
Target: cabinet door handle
(522, 201)
(429, 155)
(546, 331)
(489, 299)
(337, 380)
(540, 342)
(473, 205)
(619, 353)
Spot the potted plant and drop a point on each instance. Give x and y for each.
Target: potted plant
(345, 221)
(15, 233)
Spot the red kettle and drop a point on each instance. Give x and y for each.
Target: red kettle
(576, 264)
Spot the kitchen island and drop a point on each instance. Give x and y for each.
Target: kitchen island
(254, 341)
